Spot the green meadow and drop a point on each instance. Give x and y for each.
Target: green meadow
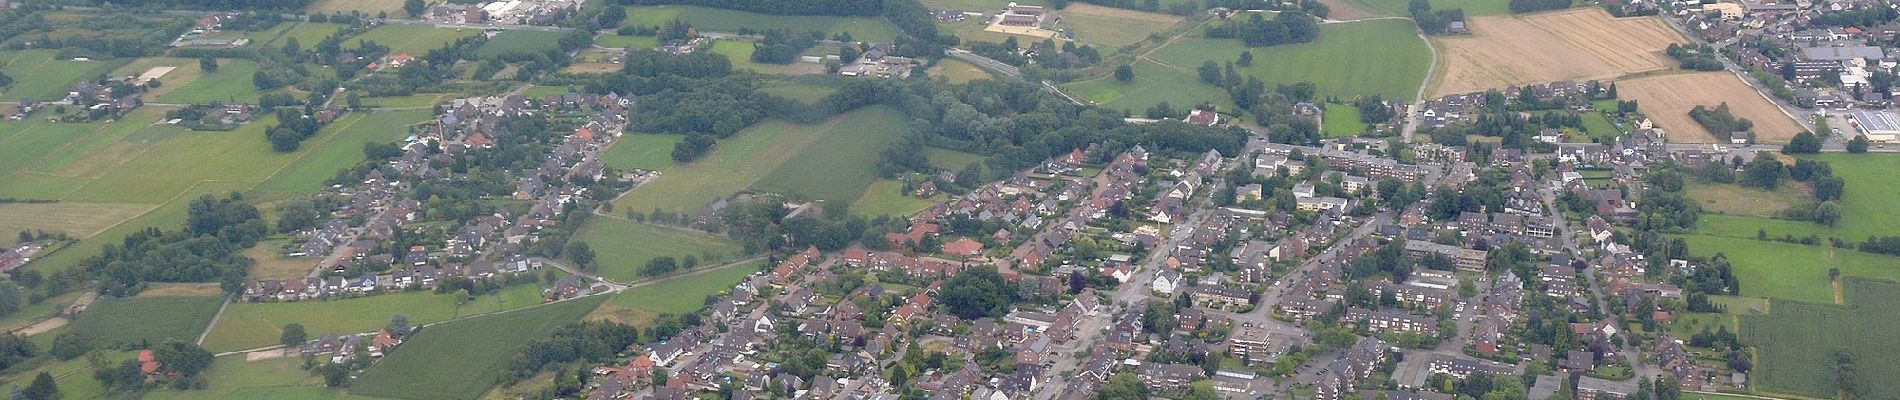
(462, 359)
(686, 294)
(747, 158)
(622, 247)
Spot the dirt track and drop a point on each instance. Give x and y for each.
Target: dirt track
(1667, 99)
(1537, 48)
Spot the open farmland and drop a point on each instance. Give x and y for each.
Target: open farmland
(1154, 83)
(740, 52)
(958, 71)
(686, 293)
(253, 325)
(1472, 8)
(232, 83)
(641, 151)
(178, 72)
(867, 28)
(744, 159)
(838, 166)
(1113, 27)
(1795, 358)
(887, 197)
(623, 247)
(415, 40)
(519, 41)
(368, 7)
(37, 75)
(76, 219)
(1667, 100)
(1537, 48)
(1791, 271)
(1381, 57)
(147, 319)
(419, 368)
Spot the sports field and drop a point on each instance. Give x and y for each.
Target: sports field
(421, 368)
(37, 75)
(759, 151)
(687, 293)
(414, 40)
(253, 325)
(622, 247)
(147, 319)
(1791, 271)
(868, 29)
(1667, 99)
(1112, 27)
(1794, 357)
(519, 41)
(1382, 57)
(1584, 43)
(641, 151)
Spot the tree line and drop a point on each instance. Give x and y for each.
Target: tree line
(1290, 26)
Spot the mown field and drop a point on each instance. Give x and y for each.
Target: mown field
(253, 325)
(807, 89)
(958, 71)
(37, 75)
(1871, 188)
(1153, 84)
(687, 293)
(1109, 27)
(415, 40)
(869, 29)
(232, 83)
(421, 368)
(740, 52)
(761, 150)
(231, 377)
(887, 197)
(519, 41)
(1342, 121)
(1791, 271)
(1398, 7)
(147, 319)
(641, 151)
(1794, 357)
(1735, 199)
(623, 247)
(367, 7)
(1580, 43)
(839, 165)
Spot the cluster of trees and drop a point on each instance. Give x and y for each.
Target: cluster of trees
(1374, 110)
(1290, 26)
(1875, 15)
(1431, 21)
(976, 293)
(1889, 245)
(782, 46)
(180, 363)
(1693, 57)
(1719, 121)
(1804, 142)
(588, 341)
(209, 249)
(293, 126)
(1525, 6)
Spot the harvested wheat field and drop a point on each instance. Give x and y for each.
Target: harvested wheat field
(1564, 45)
(1667, 99)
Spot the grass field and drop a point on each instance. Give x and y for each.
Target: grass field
(76, 219)
(1342, 121)
(1398, 7)
(307, 33)
(519, 41)
(416, 370)
(231, 377)
(887, 197)
(629, 42)
(74, 377)
(1794, 357)
(367, 7)
(343, 149)
(1791, 271)
(36, 75)
(1735, 199)
(951, 159)
(1112, 27)
(839, 165)
(759, 151)
(623, 247)
(641, 151)
(740, 52)
(1599, 126)
(687, 293)
(1382, 57)
(32, 313)
(807, 89)
(958, 71)
(253, 325)
(147, 319)
(1153, 84)
(415, 40)
(1870, 189)
(868, 29)
(232, 83)
(184, 72)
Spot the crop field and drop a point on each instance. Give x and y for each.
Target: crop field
(839, 165)
(685, 294)
(887, 197)
(253, 325)
(641, 151)
(232, 83)
(1381, 57)
(958, 71)
(1791, 271)
(518, 41)
(412, 39)
(1154, 83)
(868, 29)
(147, 319)
(417, 369)
(752, 154)
(1795, 358)
(1342, 121)
(36, 75)
(623, 247)
(629, 42)
(1112, 27)
(1667, 99)
(1537, 48)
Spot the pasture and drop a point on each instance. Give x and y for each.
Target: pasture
(951, 159)
(519, 41)
(1154, 83)
(1735, 199)
(623, 247)
(343, 148)
(1791, 271)
(1793, 357)
(840, 164)
(685, 294)
(887, 197)
(182, 72)
(232, 83)
(1667, 99)
(1584, 43)
(253, 325)
(367, 7)
(978, 5)
(417, 369)
(37, 75)
(74, 376)
(232, 374)
(760, 150)
(806, 89)
(868, 28)
(1472, 8)
(308, 33)
(75, 219)
(1870, 190)
(740, 53)
(152, 319)
(415, 40)
(628, 42)
(641, 151)
(1382, 57)
(958, 71)
(1112, 27)
(1342, 121)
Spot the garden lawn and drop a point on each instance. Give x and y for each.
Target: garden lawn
(688, 293)
(414, 40)
(37, 75)
(1791, 271)
(736, 163)
(1342, 121)
(519, 41)
(1379, 57)
(641, 151)
(232, 83)
(842, 163)
(147, 319)
(253, 325)
(1599, 126)
(1796, 341)
(622, 247)
(887, 197)
(866, 28)
(462, 359)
